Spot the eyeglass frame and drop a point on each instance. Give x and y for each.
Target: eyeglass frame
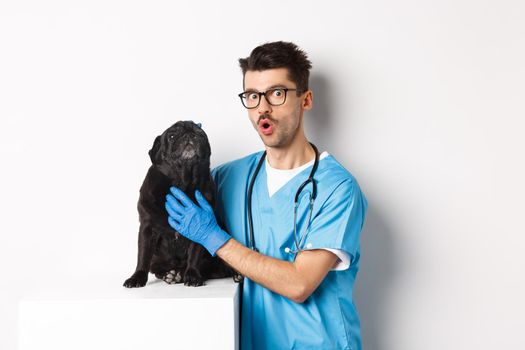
(264, 94)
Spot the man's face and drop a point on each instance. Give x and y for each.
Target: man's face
(277, 125)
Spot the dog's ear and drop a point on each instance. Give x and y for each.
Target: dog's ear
(154, 152)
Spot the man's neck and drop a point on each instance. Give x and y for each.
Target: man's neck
(292, 156)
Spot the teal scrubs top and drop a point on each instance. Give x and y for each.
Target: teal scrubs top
(328, 319)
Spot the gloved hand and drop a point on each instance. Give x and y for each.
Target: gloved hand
(195, 222)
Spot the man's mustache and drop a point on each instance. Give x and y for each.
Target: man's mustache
(265, 116)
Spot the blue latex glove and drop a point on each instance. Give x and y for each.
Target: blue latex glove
(195, 222)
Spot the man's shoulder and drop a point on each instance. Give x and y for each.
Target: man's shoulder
(335, 170)
(241, 166)
(336, 176)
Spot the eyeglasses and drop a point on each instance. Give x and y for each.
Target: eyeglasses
(275, 97)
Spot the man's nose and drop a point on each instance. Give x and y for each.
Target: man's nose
(264, 107)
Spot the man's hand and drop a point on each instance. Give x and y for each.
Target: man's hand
(195, 222)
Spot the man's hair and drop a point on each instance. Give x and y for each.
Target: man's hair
(280, 54)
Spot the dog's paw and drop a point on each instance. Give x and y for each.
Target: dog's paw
(138, 279)
(172, 276)
(193, 278)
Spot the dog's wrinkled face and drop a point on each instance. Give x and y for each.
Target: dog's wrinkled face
(183, 141)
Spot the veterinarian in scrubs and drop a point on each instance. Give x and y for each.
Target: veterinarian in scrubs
(297, 291)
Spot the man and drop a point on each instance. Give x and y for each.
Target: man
(297, 291)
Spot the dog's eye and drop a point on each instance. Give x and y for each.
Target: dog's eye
(171, 138)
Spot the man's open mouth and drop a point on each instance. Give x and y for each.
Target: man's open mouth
(266, 126)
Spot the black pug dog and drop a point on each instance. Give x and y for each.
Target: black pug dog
(181, 158)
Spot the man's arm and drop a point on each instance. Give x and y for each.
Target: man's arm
(295, 281)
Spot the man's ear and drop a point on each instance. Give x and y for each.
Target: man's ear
(154, 152)
(308, 101)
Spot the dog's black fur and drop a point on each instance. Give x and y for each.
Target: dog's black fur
(181, 158)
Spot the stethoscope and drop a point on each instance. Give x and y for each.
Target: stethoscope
(298, 240)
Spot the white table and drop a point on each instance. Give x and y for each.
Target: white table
(98, 313)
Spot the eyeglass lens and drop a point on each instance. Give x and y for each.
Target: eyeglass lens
(274, 97)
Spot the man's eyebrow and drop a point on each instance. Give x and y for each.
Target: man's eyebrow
(276, 86)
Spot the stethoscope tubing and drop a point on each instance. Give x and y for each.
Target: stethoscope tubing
(300, 241)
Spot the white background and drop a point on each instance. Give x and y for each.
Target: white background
(421, 100)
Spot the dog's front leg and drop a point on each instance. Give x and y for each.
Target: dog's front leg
(192, 275)
(147, 242)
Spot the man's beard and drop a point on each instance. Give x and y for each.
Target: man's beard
(280, 138)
